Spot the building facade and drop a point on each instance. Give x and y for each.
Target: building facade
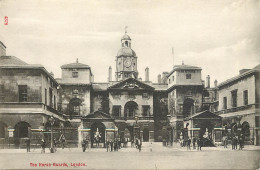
(178, 106)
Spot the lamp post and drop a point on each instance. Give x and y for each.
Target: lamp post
(137, 133)
(52, 120)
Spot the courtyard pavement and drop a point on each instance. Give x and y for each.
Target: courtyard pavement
(175, 157)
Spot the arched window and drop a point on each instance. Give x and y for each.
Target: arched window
(246, 129)
(130, 109)
(3, 128)
(188, 107)
(22, 130)
(75, 106)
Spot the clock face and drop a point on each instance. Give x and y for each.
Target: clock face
(127, 62)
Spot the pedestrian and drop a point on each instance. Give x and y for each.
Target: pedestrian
(241, 142)
(188, 143)
(235, 143)
(83, 144)
(63, 141)
(225, 141)
(151, 147)
(87, 143)
(43, 145)
(194, 142)
(28, 143)
(107, 145)
(55, 144)
(199, 143)
(111, 145)
(115, 145)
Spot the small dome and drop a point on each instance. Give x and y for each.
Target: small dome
(126, 51)
(126, 37)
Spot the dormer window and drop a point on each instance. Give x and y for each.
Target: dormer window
(126, 43)
(75, 74)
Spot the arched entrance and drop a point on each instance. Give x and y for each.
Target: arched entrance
(188, 107)
(130, 109)
(146, 135)
(245, 130)
(98, 135)
(21, 130)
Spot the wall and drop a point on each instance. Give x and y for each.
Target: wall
(11, 78)
(84, 76)
(180, 78)
(241, 85)
(123, 98)
(83, 95)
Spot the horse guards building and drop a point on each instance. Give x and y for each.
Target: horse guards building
(178, 106)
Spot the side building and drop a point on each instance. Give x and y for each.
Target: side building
(239, 99)
(28, 98)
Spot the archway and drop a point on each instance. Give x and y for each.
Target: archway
(146, 135)
(246, 131)
(3, 130)
(130, 109)
(188, 107)
(22, 130)
(98, 135)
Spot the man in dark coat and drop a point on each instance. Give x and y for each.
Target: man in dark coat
(194, 142)
(188, 143)
(28, 143)
(107, 145)
(83, 144)
(111, 145)
(199, 143)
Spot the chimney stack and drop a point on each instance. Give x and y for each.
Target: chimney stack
(110, 74)
(2, 49)
(208, 82)
(146, 74)
(215, 83)
(159, 78)
(164, 77)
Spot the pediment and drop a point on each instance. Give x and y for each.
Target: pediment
(205, 115)
(98, 115)
(131, 84)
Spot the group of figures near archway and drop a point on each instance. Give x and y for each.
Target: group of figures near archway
(99, 134)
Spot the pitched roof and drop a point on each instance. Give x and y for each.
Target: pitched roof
(138, 83)
(205, 115)
(183, 67)
(240, 76)
(11, 61)
(75, 65)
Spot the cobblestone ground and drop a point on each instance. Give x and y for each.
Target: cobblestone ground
(130, 158)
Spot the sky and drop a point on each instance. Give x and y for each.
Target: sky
(220, 36)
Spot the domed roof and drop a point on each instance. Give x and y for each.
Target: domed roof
(126, 37)
(11, 61)
(126, 51)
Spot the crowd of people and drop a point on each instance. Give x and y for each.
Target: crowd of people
(196, 143)
(234, 140)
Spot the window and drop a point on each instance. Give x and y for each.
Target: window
(50, 97)
(75, 93)
(54, 101)
(145, 95)
(2, 97)
(169, 81)
(116, 112)
(146, 110)
(245, 95)
(188, 76)
(22, 93)
(76, 109)
(45, 94)
(173, 78)
(234, 98)
(224, 102)
(75, 74)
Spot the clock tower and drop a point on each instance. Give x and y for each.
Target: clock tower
(126, 60)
